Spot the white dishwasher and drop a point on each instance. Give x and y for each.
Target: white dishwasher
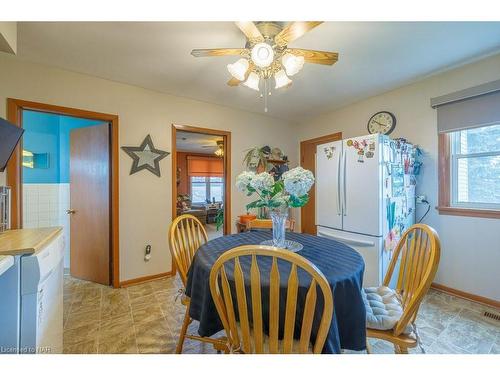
(42, 299)
(9, 304)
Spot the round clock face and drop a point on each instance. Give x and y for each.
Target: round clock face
(382, 122)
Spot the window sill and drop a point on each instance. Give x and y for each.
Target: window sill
(456, 211)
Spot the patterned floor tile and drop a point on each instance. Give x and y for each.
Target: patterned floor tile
(147, 318)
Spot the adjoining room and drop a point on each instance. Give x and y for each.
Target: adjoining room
(200, 179)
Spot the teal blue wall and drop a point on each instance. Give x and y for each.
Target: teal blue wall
(41, 135)
(49, 133)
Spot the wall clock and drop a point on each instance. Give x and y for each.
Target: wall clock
(382, 122)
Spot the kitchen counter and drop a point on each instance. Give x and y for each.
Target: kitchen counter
(26, 241)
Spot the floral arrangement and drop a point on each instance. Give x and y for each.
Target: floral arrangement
(291, 190)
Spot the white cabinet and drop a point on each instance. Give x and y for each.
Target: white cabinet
(42, 299)
(9, 304)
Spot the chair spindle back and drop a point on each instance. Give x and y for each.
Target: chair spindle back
(226, 302)
(186, 235)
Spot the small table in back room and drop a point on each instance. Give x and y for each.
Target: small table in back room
(342, 266)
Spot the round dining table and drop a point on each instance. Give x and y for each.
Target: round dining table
(342, 266)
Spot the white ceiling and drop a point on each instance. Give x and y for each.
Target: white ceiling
(195, 142)
(374, 57)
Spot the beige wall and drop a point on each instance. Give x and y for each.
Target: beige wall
(145, 200)
(470, 246)
(8, 37)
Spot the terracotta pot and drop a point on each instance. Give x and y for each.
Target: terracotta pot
(246, 218)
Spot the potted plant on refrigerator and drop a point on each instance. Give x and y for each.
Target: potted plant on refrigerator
(291, 190)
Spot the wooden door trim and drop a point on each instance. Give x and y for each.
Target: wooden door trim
(303, 146)
(227, 169)
(14, 169)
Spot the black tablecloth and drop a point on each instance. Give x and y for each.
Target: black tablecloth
(342, 266)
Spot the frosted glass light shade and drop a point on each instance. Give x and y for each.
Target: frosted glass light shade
(292, 64)
(281, 79)
(262, 55)
(252, 81)
(238, 69)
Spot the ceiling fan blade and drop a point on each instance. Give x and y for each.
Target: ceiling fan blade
(251, 31)
(294, 31)
(315, 57)
(234, 82)
(219, 52)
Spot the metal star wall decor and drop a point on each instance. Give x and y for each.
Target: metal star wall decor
(146, 156)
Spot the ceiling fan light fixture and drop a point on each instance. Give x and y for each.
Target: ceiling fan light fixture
(281, 79)
(252, 81)
(262, 55)
(220, 149)
(239, 69)
(292, 63)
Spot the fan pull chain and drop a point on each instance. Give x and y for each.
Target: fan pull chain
(265, 95)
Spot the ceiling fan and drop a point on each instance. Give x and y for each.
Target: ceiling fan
(219, 145)
(266, 55)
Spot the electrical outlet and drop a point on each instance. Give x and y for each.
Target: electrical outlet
(421, 198)
(147, 256)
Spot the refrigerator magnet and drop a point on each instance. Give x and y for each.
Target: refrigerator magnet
(329, 152)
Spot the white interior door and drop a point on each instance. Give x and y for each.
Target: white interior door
(328, 199)
(362, 183)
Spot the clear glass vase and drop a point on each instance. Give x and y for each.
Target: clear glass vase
(278, 218)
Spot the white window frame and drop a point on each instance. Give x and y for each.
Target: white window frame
(454, 160)
(207, 189)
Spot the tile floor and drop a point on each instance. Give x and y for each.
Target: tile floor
(212, 231)
(146, 319)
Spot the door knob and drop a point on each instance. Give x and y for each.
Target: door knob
(70, 211)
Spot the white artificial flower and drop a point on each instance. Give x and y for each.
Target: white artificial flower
(281, 199)
(243, 180)
(298, 181)
(262, 181)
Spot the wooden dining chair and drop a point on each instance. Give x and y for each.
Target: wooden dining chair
(268, 224)
(391, 313)
(247, 335)
(186, 235)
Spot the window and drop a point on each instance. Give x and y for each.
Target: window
(475, 168)
(203, 188)
(468, 123)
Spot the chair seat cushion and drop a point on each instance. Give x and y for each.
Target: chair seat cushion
(383, 308)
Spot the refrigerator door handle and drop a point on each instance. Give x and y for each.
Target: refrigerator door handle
(339, 211)
(344, 206)
(348, 241)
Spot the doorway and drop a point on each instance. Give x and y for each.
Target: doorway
(201, 177)
(308, 161)
(64, 174)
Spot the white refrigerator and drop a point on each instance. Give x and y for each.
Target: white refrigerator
(365, 196)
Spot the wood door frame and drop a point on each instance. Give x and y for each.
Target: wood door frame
(227, 169)
(304, 145)
(14, 168)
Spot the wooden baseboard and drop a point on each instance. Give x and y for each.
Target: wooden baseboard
(144, 279)
(469, 296)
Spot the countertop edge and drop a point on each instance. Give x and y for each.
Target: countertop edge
(36, 247)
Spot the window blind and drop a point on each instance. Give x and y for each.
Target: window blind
(470, 108)
(199, 166)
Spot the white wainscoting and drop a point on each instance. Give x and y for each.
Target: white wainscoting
(45, 205)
